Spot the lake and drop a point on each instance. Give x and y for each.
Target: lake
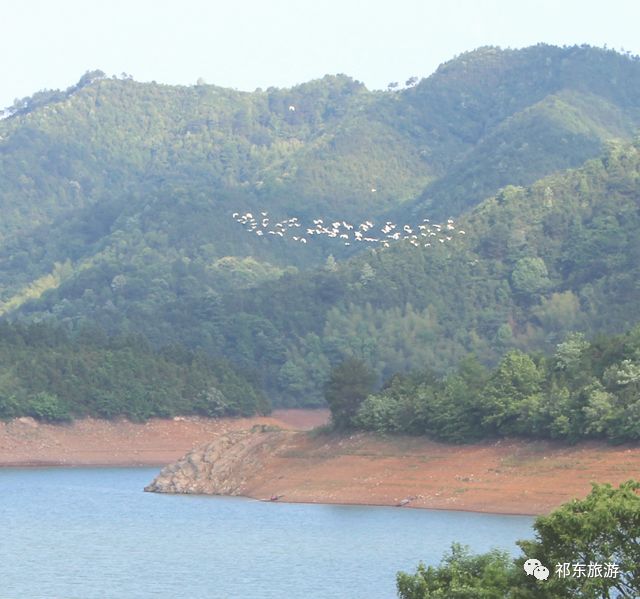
(92, 533)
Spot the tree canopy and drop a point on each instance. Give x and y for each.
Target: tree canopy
(348, 385)
(583, 391)
(54, 377)
(589, 547)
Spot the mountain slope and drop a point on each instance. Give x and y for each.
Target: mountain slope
(533, 264)
(80, 170)
(518, 115)
(117, 199)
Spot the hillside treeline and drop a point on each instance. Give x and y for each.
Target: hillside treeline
(585, 390)
(52, 376)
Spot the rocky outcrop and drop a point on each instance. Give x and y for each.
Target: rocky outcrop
(510, 476)
(222, 467)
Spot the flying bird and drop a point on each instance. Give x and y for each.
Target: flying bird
(334, 230)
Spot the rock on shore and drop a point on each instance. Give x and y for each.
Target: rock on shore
(222, 467)
(93, 442)
(507, 476)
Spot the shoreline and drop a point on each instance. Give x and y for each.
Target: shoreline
(503, 477)
(386, 505)
(55, 465)
(35, 465)
(91, 442)
(508, 476)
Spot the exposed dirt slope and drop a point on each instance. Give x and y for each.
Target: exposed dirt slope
(24, 442)
(507, 476)
(515, 477)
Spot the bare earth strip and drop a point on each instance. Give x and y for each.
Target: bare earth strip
(511, 477)
(508, 476)
(89, 442)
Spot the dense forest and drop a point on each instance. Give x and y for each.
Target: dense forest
(535, 264)
(52, 376)
(585, 390)
(117, 199)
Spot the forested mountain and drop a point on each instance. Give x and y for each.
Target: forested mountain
(518, 115)
(117, 196)
(534, 264)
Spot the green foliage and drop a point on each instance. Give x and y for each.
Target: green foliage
(53, 377)
(530, 276)
(516, 381)
(552, 118)
(420, 405)
(404, 308)
(397, 309)
(559, 311)
(458, 412)
(460, 575)
(116, 199)
(586, 391)
(349, 383)
(47, 407)
(10, 407)
(601, 529)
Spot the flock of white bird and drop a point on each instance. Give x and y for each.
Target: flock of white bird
(424, 234)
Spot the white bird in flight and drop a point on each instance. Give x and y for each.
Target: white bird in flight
(348, 232)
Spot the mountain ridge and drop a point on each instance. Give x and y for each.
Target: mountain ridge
(117, 204)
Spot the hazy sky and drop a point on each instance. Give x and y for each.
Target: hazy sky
(259, 43)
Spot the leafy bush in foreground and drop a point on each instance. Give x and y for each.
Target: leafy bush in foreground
(602, 529)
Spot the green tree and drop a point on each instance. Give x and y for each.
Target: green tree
(9, 406)
(457, 416)
(603, 528)
(530, 276)
(516, 379)
(460, 575)
(48, 407)
(570, 353)
(349, 384)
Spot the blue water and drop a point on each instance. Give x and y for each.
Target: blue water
(88, 533)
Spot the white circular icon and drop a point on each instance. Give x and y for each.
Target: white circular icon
(541, 573)
(530, 565)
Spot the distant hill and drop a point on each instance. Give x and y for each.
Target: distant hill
(518, 115)
(534, 264)
(117, 198)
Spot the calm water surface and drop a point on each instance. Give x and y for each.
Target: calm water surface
(93, 534)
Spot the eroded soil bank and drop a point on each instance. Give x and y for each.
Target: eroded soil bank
(89, 442)
(511, 477)
(507, 476)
